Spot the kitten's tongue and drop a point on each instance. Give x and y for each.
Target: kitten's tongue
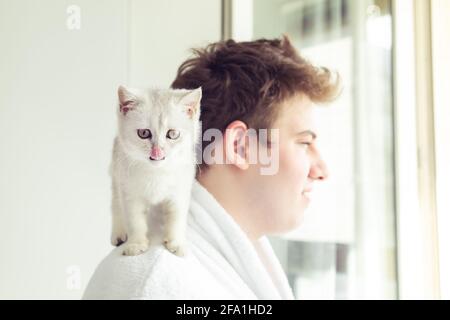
(156, 153)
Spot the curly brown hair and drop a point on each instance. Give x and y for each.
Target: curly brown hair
(248, 81)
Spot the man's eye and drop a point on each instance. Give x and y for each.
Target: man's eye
(305, 145)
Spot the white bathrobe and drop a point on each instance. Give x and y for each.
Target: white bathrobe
(221, 263)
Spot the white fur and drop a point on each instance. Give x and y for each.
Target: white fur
(141, 187)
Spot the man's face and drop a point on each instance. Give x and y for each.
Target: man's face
(280, 200)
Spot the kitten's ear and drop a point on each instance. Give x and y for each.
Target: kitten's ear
(191, 101)
(128, 99)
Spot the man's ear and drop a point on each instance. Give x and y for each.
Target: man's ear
(191, 102)
(236, 145)
(128, 99)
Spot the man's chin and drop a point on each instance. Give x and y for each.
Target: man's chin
(298, 221)
(290, 225)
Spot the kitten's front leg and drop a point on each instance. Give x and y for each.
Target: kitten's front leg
(176, 212)
(136, 221)
(118, 233)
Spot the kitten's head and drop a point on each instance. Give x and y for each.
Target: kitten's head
(159, 126)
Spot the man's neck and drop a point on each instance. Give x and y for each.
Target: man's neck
(230, 197)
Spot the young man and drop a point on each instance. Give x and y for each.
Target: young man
(247, 87)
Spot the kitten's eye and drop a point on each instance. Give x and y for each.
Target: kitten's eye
(144, 133)
(173, 134)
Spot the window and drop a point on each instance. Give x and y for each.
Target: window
(346, 247)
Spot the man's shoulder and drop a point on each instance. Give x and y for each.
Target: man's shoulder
(155, 274)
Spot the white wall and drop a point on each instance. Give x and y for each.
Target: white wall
(162, 32)
(57, 123)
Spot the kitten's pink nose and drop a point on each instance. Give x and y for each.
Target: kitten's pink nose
(157, 153)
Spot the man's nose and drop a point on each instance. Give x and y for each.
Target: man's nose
(319, 169)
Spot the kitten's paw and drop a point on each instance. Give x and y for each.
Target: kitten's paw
(134, 249)
(176, 247)
(117, 238)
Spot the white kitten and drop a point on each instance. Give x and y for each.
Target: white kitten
(153, 165)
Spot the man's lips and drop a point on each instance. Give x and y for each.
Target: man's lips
(306, 194)
(307, 190)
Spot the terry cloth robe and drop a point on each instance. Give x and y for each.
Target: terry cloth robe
(221, 263)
